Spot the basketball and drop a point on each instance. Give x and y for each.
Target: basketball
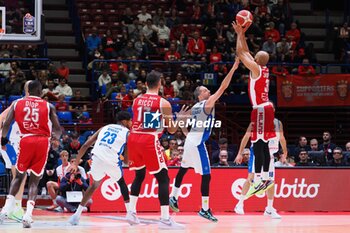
(244, 18)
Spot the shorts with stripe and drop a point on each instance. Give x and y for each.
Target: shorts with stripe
(196, 156)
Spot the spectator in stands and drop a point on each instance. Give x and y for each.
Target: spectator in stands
(127, 100)
(77, 105)
(253, 43)
(186, 92)
(196, 13)
(135, 29)
(344, 31)
(63, 88)
(50, 91)
(175, 158)
(93, 41)
(72, 182)
(280, 71)
(142, 47)
(347, 146)
(74, 146)
(52, 186)
(129, 51)
(61, 105)
(52, 163)
(310, 53)
(63, 70)
(314, 145)
(337, 160)
(128, 17)
(269, 46)
(327, 146)
(179, 137)
(138, 89)
(5, 67)
(302, 144)
(223, 160)
(306, 68)
(142, 76)
(233, 7)
(172, 146)
(283, 50)
(182, 44)
(245, 159)
(13, 86)
(215, 57)
(168, 89)
(108, 45)
(172, 54)
(163, 33)
(278, 16)
(272, 32)
(262, 10)
(294, 33)
(282, 162)
(303, 159)
(144, 16)
(222, 146)
(178, 83)
(159, 15)
(104, 80)
(196, 46)
(173, 20)
(149, 31)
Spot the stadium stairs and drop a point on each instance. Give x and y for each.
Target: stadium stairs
(61, 43)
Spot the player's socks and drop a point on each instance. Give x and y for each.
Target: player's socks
(175, 192)
(79, 210)
(10, 204)
(132, 203)
(30, 208)
(270, 204)
(164, 212)
(205, 203)
(127, 206)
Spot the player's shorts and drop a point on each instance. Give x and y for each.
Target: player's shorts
(251, 163)
(33, 152)
(9, 156)
(262, 118)
(196, 156)
(100, 168)
(145, 150)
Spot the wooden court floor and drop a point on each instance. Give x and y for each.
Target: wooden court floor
(50, 222)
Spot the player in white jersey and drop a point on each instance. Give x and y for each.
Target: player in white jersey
(9, 154)
(110, 146)
(195, 153)
(273, 148)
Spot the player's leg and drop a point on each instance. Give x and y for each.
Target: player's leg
(125, 192)
(270, 193)
(38, 159)
(10, 202)
(18, 212)
(134, 194)
(239, 208)
(175, 192)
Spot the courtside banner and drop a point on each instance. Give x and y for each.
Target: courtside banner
(296, 190)
(319, 90)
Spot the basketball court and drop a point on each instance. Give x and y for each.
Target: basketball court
(228, 222)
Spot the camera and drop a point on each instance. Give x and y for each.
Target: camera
(77, 176)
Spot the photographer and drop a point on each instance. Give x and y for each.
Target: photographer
(72, 182)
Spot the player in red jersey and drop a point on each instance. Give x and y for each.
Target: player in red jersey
(35, 118)
(262, 115)
(151, 114)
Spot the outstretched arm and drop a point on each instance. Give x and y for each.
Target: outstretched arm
(243, 144)
(225, 83)
(243, 51)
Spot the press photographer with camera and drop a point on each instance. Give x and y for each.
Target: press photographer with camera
(71, 190)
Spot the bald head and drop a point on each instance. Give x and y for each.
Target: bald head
(262, 58)
(26, 92)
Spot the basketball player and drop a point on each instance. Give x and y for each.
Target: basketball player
(262, 115)
(195, 153)
(35, 118)
(273, 148)
(151, 114)
(10, 156)
(109, 145)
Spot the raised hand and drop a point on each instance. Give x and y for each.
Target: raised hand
(238, 159)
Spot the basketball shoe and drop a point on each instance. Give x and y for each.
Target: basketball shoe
(27, 221)
(239, 209)
(207, 214)
(169, 224)
(74, 219)
(173, 204)
(132, 218)
(17, 214)
(271, 212)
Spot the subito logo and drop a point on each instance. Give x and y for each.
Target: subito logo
(236, 188)
(110, 190)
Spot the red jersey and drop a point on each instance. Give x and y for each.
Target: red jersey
(259, 88)
(147, 114)
(32, 116)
